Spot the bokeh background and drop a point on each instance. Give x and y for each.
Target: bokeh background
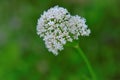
(23, 55)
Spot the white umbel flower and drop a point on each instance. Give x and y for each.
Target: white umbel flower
(56, 26)
(78, 27)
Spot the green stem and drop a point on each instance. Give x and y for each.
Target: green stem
(87, 62)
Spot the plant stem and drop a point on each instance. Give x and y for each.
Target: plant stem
(86, 61)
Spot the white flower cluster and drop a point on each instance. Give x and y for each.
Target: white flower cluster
(56, 26)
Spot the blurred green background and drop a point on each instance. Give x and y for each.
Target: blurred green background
(23, 55)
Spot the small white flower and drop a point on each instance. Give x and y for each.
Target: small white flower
(56, 26)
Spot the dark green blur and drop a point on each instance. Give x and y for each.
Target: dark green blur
(23, 55)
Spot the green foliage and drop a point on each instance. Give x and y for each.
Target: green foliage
(23, 55)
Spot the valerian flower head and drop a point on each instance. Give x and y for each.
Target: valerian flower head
(56, 26)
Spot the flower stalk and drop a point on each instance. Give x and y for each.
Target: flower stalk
(86, 61)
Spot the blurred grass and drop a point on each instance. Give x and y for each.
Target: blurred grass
(23, 55)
